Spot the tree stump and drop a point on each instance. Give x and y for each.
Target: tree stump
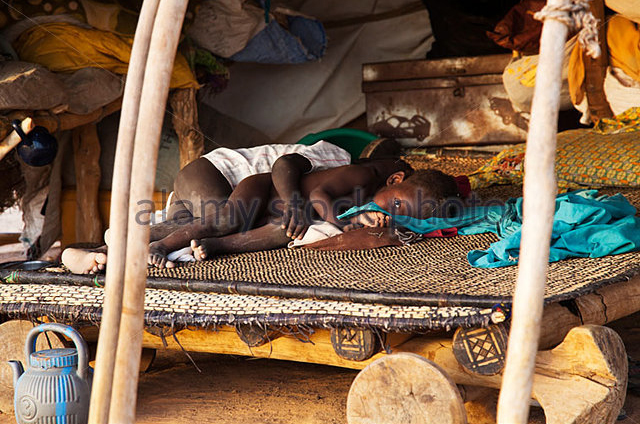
(404, 388)
(12, 337)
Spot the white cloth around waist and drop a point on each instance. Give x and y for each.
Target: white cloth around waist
(238, 164)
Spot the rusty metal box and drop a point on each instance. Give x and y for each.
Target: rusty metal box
(458, 101)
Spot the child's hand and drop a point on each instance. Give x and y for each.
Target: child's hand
(293, 220)
(368, 219)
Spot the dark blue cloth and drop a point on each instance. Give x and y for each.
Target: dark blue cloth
(305, 41)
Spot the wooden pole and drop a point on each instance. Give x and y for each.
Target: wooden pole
(539, 204)
(86, 160)
(155, 90)
(13, 139)
(106, 351)
(57, 122)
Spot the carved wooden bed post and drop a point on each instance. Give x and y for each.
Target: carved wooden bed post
(539, 194)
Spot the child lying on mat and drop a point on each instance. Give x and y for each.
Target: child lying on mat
(391, 184)
(256, 216)
(208, 183)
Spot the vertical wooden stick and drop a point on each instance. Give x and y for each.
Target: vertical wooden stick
(595, 70)
(86, 155)
(185, 122)
(110, 324)
(155, 90)
(539, 204)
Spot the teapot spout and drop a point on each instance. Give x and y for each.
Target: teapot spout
(17, 368)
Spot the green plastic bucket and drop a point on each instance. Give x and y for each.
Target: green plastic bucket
(351, 140)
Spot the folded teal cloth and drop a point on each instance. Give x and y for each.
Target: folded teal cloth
(584, 225)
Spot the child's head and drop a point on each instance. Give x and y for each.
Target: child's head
(420, 194)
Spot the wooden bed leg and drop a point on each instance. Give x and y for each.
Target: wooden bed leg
(254, 335)
(404, 388)
(354, 344)
(592, 365)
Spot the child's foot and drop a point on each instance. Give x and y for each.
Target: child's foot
(202, 249)
(84, 261)
(158, 257)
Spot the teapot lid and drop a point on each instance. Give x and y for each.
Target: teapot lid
(54, 358)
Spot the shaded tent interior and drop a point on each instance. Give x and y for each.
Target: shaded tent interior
(226, 121)
(345, 116)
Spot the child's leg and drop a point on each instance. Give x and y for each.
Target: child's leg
(269, 236)
(247, 203)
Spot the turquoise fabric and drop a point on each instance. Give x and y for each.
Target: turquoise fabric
(585, 225)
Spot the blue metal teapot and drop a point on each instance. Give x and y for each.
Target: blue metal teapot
(38, 148)
(55, 388)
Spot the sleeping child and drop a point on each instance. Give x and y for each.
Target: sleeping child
(266, 210)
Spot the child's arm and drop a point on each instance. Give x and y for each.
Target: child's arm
(347, 182)
(286, 173)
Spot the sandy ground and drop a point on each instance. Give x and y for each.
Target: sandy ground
(237, 390)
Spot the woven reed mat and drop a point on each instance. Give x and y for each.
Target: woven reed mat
(73, 304)
(435, 269)
(431, 268)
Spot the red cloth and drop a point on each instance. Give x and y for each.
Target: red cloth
(447, 232)
(464, 186)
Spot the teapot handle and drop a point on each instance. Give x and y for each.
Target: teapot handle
(81, 345)
(17, 126)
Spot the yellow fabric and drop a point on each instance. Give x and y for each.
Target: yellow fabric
(584, 159)
(524, 71)
(628, 121)
(623, 41)
(63, 47)
(575, 75)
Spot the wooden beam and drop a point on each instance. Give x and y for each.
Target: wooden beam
(9, 238)
(86, 155)
(185, 122)
(601, 307)
(595, 70)
(58, 122)
(581, 381)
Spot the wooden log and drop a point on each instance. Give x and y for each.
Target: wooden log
(86, 155)
(13, 139)
(605, 305)
(590, 364)
(12, 337)
(118, 218)
(593, 359)
(595, 70)
(58, 122)
(539, 192)
(404, 388)
(9, 238)
(185, 122)
(155, 90)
